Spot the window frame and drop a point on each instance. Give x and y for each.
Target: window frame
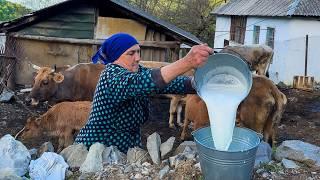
(238, 29)
(270, 37)
(256, 34)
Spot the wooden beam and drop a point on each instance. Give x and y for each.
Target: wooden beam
(160, 44)
(155, 44)
(57, 39)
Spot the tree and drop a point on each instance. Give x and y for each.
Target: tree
(191, 15)
(39, 4)
(9, 11)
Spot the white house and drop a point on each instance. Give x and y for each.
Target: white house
(281, 24)
(2, 40)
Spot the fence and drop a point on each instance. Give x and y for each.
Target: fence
(9, 51)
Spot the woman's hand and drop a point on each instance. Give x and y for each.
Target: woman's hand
(198, 55)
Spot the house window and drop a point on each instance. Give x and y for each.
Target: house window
(256, 34)
(238, 28)
(270, 37)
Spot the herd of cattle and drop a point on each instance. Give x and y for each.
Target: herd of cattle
(71, 89)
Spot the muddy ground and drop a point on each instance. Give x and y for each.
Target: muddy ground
(301, 120)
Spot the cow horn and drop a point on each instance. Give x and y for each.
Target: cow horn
(54, 68)
(34, 66)
(19, 132)
(34, 102)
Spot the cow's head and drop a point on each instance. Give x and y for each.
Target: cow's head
(261, 58)
(45, 84)
(31, 129)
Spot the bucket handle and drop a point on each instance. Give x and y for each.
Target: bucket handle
(260, 136)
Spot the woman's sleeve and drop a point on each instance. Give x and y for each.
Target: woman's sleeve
(146, 82)
(180, 85)
(125, 84)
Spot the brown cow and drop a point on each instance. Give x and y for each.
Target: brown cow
(63, 120)
(78, 83)
(261, 110)
(258, 56)
(74, 84)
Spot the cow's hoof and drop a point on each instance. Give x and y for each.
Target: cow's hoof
(172, 126)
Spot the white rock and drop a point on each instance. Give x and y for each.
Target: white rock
(146, 164)
(137, 155)
(166, 147)
(9, 175)
(172, 161)
(288, 164)
(183, 145)
(45, 147)
(75, 155)
(128, 169)
(33, 153)
(14, 155)
(111, 155)
(153, 146)
(49, 166)
(93, 162)
(198, 166)
(189, 153)
(263, 154)
(163, 172)
(69, 173)
(265, 174)
(299, 151)
(145, 172)
(138, 176)
(6, 95)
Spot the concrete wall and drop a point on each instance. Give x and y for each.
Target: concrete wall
(289, 46)
(223, 24)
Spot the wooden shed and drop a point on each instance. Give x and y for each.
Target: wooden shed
(70, 32)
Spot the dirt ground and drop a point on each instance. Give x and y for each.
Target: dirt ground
(301, 120)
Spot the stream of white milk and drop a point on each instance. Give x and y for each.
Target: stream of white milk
(222, 94)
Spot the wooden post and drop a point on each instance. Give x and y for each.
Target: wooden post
(306, 57)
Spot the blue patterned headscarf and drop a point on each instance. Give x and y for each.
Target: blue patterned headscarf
(113, 47)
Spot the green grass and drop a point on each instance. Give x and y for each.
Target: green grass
(271, 167)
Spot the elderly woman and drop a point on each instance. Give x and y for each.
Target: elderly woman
(120, 104)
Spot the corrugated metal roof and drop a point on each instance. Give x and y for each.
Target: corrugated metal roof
(165, 24)
(270, 8)
(182, 34)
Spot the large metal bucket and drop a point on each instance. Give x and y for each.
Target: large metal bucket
(235, 164)
(223, 63)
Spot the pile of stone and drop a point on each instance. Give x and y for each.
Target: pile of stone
(99, 162)
(159, 161)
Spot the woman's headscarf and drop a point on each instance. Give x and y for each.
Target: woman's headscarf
(113, 47)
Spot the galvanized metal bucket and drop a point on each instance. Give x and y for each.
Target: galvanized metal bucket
(223, 63)
(235, 164)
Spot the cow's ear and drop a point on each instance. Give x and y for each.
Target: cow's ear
(37, 121)
(58, 77)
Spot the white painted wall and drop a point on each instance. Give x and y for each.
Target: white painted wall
(223, 24)
(289, 47)
(2, 39)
